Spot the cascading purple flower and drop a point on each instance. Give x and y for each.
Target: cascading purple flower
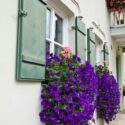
(108, 99)
(70, 96)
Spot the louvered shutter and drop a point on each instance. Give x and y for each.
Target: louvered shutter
(105, 54)
(80, 33)
(91, 48)
(31, 40)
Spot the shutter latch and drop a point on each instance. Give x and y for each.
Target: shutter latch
(22, 13)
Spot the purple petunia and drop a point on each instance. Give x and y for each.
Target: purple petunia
(57, 109)
(70, 97)
(51, 74)
(108, 99)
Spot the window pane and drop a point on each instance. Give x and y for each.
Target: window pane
(47, 46)
(48, 20)
(57, 49)
(58, 29)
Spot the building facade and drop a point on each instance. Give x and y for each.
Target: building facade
(64, 23)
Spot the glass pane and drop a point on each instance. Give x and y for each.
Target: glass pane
(58, 29)
(47, 46)
(48, 20)
(57, 49)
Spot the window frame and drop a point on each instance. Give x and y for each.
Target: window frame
(99, 48)
(56, 11)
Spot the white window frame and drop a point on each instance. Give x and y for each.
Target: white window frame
(55, 10)
(99, 48)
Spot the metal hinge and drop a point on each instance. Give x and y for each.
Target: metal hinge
(89, 51)
(22, 13)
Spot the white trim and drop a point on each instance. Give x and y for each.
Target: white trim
(61, 45)
(99, 32)
(56, 8)
(98, 27)
(77, 4)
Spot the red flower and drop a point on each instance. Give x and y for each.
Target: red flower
(66, 52)
(116, 5)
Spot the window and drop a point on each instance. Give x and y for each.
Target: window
(56, 25)
(99, 48)
(58, 29)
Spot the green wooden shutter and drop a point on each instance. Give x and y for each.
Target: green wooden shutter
(80, 38)
(91, 49)
(118, 69)
(31, 40)
(105, 54)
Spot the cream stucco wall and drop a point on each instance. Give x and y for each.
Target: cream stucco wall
(20, 101)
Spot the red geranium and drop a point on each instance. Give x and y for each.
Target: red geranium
(116, 5)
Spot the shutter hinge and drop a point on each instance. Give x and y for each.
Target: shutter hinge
(74, 27)
(89, 51)
(85, 49)
(22, 13)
